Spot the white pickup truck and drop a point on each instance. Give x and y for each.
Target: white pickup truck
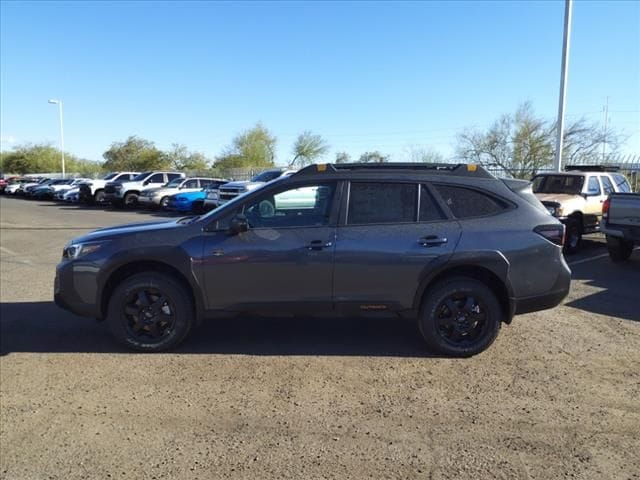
(621, 224)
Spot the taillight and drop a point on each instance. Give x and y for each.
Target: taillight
(553, 233)
(605, 209)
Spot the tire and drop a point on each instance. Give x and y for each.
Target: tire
(573, 237)
(130, 200)
(460, 317)
(619, 249)
(150, 312)
(164, 203)
(98, 197)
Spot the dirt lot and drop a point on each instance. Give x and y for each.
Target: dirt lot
(557, 395)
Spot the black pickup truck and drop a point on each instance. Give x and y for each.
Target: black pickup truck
(621, 224)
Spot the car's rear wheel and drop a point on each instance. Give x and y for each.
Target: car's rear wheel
(150, 312)
(460, 317)
(98, 197)
(619, 249)
(573, 237)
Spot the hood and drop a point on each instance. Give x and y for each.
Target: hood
(246, 184)
(559, 197)
(129, 229)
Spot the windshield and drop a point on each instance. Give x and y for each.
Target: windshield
(267, 176)
(571, 184)
(142, 176)
(109, 176)
(175, 183)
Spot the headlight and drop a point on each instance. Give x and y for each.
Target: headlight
(212, 195)
(118, 187)
(76, 250)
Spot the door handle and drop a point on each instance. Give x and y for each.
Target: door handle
(318, 245)
(432, 241)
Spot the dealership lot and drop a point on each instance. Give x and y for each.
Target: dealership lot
(554, 397)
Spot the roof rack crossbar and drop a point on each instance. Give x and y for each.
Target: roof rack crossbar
(458, 169)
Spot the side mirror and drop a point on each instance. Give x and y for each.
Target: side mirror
(238, 225)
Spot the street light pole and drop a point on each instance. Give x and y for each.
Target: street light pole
(568, 7)
(59, 103)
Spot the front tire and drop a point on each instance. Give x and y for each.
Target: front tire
(164, 203)
(460, 317)
(98, 197)
(130, 200)
(619, 249)
(150, 312)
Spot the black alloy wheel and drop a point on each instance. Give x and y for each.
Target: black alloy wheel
(460, 317)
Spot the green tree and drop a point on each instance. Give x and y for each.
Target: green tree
(181, 158)
(36, 158)
(307, 148)
(342, 157)
(373, 157)
(252, 148)
(135, 154)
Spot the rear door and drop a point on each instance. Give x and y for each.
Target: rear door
(391, 235)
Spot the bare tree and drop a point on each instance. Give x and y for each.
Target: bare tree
(373, 157)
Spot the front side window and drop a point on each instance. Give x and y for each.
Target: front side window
(468, 203)
(377, 202)
(175, 183)
(593, 187)
(607, 186)
(301, 206)
(193, 183)
(156, 178)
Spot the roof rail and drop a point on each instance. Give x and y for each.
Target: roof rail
(457, 169)
(592, 168)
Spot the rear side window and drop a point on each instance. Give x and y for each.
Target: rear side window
(468, 203)
(607, 185)
(621, 183)
(382, 203)
(171, 176)
(593, 187)
(429, 210)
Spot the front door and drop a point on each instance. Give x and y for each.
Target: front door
(283, 260)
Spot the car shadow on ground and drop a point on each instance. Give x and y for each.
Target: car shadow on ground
(620, 284)
(43, 327)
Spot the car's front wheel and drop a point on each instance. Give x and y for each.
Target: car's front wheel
(98, 197)
(150, 312)
(460, 317)
(130, 200)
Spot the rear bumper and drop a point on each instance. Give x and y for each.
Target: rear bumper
(552, 298)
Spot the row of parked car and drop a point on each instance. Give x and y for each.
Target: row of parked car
(154, 189)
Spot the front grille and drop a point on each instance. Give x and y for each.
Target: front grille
(84, 190)
(110, 189)
(229, 194)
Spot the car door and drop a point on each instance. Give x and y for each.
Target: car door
(155, 180)
(283, 260)
(393, 233)
(593, 205)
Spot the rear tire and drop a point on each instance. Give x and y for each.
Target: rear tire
(460, 317)
(150, 312)
(574, 237)
(619, 249)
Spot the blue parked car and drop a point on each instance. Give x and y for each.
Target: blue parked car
(183, 202)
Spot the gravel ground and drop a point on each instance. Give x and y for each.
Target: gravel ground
(555, 397)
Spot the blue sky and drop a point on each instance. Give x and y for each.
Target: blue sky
(367, 76)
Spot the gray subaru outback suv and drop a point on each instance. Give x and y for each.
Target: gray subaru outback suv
(450, 246)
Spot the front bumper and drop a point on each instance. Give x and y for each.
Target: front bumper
(148, 201)
(76, 289)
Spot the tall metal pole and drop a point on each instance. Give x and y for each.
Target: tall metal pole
(568, 6)
(61, 135)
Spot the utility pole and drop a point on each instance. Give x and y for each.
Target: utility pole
(604, 132)
(53, 101)
(566, 39)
